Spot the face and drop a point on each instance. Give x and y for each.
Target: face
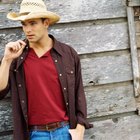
(35, 29)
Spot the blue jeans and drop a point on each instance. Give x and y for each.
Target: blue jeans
(58, 134)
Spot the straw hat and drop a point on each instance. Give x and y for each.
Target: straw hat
(31, 9)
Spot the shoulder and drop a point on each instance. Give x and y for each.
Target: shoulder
(67, 49)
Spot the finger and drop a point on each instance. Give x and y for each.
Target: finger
(13, 48)
(22, 42)
(20, 50)
(18, 46)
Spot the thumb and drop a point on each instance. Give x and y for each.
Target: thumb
(72, 132)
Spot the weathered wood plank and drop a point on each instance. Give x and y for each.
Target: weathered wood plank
(138, 40)
(85, 38)
(101, 101)
(5, 115)
(8, 137)
(72, 10)
(137, 28)
(88, 38)
(121, 128)
(110, 99)
(133, 47)
(106, 68)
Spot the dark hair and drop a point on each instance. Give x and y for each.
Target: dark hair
(43, 19)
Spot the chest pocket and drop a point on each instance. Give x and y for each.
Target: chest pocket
(70, 73)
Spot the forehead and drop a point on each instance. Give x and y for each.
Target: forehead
(31, 20)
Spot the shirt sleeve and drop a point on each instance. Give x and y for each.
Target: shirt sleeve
(4, 92)
(81, 106)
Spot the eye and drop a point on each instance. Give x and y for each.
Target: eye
(33, 23)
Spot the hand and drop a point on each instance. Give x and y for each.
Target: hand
(13, 50)
(78, 133)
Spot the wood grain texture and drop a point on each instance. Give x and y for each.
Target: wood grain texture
(121, 128)
(5, 115)
(110, 99)
(8, 137)
(84, 38)
(133, 47)
(71, 10)
(101, 101)
(106, 68)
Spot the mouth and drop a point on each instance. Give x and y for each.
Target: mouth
(30, 36)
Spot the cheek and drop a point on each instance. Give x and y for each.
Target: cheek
(41, 31)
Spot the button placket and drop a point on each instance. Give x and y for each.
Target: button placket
(71, 72)
(55, 60)
(21, 57)
(23, 101)
(19, 85)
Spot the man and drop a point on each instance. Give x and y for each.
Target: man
(44, 77)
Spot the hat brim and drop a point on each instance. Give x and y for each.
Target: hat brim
(53, 18)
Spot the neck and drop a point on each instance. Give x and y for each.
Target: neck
(42, 43)
(42, 46)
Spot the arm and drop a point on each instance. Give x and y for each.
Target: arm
(81, 106)
(12, 51)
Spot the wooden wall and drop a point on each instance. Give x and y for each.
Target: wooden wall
(99, 31)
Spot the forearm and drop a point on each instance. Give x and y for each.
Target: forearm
(4, 73)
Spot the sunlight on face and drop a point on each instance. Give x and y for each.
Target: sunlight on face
(35, 29)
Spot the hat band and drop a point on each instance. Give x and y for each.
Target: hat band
(32, 4)
(23, 14)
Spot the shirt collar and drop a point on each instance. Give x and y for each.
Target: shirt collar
(56, 46)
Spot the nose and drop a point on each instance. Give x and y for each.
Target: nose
(27, 29)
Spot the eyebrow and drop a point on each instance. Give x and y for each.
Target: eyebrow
(29, 22)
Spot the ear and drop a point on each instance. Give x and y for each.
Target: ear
(46, 23)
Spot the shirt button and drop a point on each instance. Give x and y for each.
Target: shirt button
(71, 72)
(67, 103)
(26, 116)
(19, 85)
(65, 88)
(21, 57)
(60, 74)
(23, 101)
(56, 61)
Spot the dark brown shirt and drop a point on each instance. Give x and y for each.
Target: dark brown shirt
(68, 67)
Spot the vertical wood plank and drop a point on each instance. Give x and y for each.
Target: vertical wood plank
(133, 47)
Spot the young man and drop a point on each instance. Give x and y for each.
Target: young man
(44, 77)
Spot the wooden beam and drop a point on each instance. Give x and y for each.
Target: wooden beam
(133, 47)
(133, 2)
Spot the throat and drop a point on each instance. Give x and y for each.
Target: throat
(40, 50)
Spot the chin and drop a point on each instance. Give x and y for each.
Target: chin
(32, 41)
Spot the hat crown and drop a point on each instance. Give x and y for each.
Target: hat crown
(28, 6)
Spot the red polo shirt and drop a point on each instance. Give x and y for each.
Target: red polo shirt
(45, 99)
